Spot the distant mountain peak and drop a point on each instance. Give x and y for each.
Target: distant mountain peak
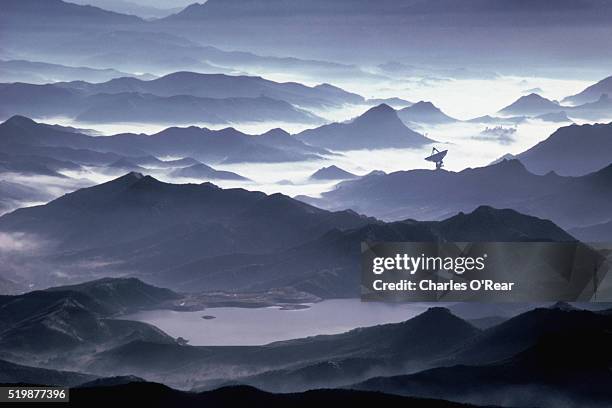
(487, 211)
(201, 170)
(441, 316)
(325, 85)
(424, 112)
(134, 175)
(210, 185)
(378, 115)
(332, 172)
(489, 220)
(182, 75)
(532, 96)
(425, 105)
(604, 174)
(563, 306)
(19, 120)
(516, 163)
(134, 179)
(376, 173)
(484, 209)
(382, 109)
(145, 179)
(332, 167)
(532, 104)
(504, 167)
(567, 148)
(591, 93)
(276, 132)
(510, 165)
(437, 311)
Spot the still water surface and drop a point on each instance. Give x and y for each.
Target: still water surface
(243, 326)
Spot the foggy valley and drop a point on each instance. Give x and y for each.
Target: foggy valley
(184, 189)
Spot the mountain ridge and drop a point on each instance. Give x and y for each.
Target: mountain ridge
(19, 135)
(591, 93)
(424, 112)
(494, 185)
(573, 150)
(379, 127)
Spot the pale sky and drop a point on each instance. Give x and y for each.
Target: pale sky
(163, 4)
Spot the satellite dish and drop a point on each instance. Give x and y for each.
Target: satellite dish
(436, 157)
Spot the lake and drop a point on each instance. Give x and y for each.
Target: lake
(235, 326)
(243, 326)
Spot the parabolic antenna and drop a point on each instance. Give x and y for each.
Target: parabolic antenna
(437, 157)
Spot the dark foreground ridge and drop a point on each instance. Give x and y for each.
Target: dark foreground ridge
(158, 395)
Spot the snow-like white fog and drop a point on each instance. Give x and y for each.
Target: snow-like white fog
(460, 98)
(292, 178)
(468, 98)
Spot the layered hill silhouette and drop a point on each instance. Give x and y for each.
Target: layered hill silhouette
(527, 330)
(424, 112)
(193, 237)
(131, 208)
(147, 108)
(260, 20)
(78, 102)
(594, 233)
(120, 295)
(21, 136)
(593, 111)
(592, 93)
(573, 150)
(531, 105)
(432, 194)
(528, 351)
(556, 117)
(158, 395)
(221, 86)
(24, 160)
(329, 266)
(110, 243)
(64, 12)
(68, 335)
(202, 171)
(134, 8)
(131, 44)
(280, 139)
(394, 102)
(389, 347)
(141, 220)
(11, 373)
(537, 368)
(332, 172)
(233, 8)
(71, 318)
(536, 106)
(379, 127)
(453, 360)
(35, 72)
(13, 194)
